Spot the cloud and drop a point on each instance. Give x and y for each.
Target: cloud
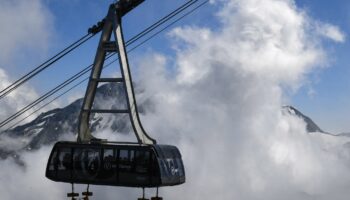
(18, 182)
(26, 28)
(222, 108)
(24, 25)
(331, 32)
(15, 100)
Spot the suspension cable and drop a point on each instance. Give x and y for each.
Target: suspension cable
(79, 42)
(163, 20)
(63, 93)
(87, 69)
(169, 25)
(44, 65)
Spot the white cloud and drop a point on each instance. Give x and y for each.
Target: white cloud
(26, 27)
(15, 100)
(18, 182)
(24, 24)
(223, 107)
(331, 32)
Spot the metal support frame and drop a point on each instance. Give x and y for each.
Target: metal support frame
(112, 24)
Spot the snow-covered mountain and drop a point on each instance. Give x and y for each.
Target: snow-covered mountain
(311, 126)
(49, 126)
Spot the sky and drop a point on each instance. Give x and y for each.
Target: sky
(53, 25)
(329, 103)
(218, 80)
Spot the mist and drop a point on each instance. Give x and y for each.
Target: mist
(222, 108)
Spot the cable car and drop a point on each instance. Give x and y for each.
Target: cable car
(116, 164)
(90, 160)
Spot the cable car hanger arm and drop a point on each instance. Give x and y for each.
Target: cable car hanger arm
(112, 24)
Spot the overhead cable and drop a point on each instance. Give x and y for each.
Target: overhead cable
(82, 40)
(44, 65)
(88, 68)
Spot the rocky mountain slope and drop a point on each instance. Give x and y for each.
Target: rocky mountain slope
(49, 126)
(311, 126)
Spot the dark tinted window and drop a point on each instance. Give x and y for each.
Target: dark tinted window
(170, 161)
(126, 160)
(87, 163)
(142, 162)
(64, 159)
(64, 164)
(109, 165)
(180, 167)
(53, 161)
(51, 168)
(108, 159)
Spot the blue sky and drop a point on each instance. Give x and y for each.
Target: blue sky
(73, 18)
(330, 105)
(324, 97)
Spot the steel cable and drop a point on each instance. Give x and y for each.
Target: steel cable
(44, 65)
(87, 69)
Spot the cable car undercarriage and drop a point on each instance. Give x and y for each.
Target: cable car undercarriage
(90, 160)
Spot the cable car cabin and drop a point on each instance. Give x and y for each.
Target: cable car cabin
(130, 165)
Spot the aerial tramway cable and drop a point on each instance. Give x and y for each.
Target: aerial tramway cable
(57, 97)
(79, 42)
(84, 71)
(87, 69)
(44, 65)
(163, 20)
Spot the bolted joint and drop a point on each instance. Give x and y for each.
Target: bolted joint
(97, 27)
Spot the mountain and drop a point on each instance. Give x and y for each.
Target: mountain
(311, 126)
(49, 126)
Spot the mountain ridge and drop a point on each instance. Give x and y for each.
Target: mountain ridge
(49, 126)
(311, 126)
